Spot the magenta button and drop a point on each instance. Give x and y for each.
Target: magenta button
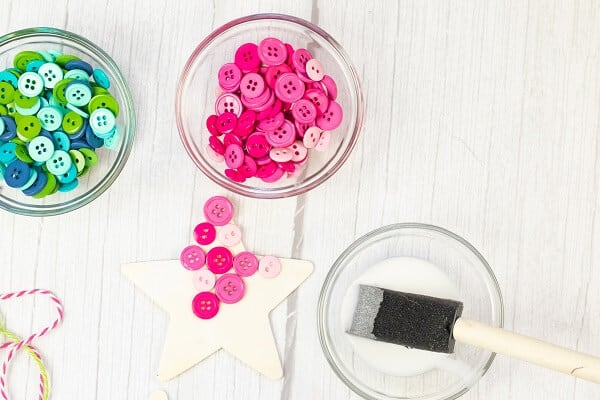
(246, 57)
(219, 260)
(257, 145)
(205, 305)
(205, 233)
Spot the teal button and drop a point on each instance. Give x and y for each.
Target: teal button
(7, 152)
(79, 111)
(101, 78)
(61, 141)
(50, 118)
(29, 110)
(78, 94)
(102, 121)
(78, 75)
(67, 187)
(6, 76)
(68, 176)
(59, 163)
(113, 141)
(34, 66)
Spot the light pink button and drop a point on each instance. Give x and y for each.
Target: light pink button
(299, 151)
(269, 266)
(226, 122)
(234, 155)
(300, 58)
(216, 145)
(274, 72)
(192, 258)
(218, 210)
(205, 233)
(323, 141)
(314, 69)
(318, 98)
(304, 111)
(272, 51)
(245, 263)
(203, 280)
(283, 136)
(330, 86)
(246, 57)
(219, 260)
(229, 235)
(229, 76)
(230, 288)
(248, 169)
(289, 88)
(257, 145)
(228, 102)
(252, 85)
(205, 305)
(275, 176)
(311, 137)
(331, 118)
(281, 154)
(270, 124)
(213, 155)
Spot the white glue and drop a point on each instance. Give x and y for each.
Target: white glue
(405, 274)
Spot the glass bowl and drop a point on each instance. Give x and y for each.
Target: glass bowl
(474, 284)
(112, 161)
(196, 98)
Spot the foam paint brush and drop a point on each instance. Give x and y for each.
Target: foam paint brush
(435, 324)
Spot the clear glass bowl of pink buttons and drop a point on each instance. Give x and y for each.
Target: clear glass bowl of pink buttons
(95, 171)
(277, 144)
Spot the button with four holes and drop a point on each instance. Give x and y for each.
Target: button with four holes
(219, 260)
(245, 263)
(230, 288)
(218, 210)
(205, 305)
(192, 258)
(41, 149)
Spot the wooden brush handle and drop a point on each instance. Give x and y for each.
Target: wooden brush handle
(528, 349)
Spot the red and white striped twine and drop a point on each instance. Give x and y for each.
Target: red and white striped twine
(15, 344)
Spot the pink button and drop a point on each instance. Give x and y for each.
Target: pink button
(245, 263)
(331, 118)
(219, 260)
(229, 235)
(283, 136)
(230, 139)
(252, 85)
(246, 57)
(213, 155)
(314, 69)
(203, 280)
(304, 111)
(301, 128)
(272, 51)
(330, 86)
(287, 166)
(218, 210)
(257, 145)
(205, 233)
(230, 288)
(245, 124)
(311, 137)
(226, 122)
(248, 169)
(270, 124)
(289, 88)
(275, 176)
(274, 72)
(205, 305)
(323, 141)
(266, 170)
(216, 145)
(299, 151)
(269, 266)
(235, 175)
(229, 77)
(318, 98)
(234, 155)
(281, 154)
(192, 258)
(211, 125)
(300, 58)
(259, 102)
(228, 102)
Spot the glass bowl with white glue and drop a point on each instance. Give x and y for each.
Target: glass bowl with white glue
(414, 258)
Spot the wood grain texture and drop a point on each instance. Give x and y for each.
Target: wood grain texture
(489, 115)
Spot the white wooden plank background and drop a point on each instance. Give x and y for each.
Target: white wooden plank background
(490, 114)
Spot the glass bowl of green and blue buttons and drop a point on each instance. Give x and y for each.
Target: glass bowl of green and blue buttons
(66, 121)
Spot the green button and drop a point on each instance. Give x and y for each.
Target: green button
(59, 90)
(25, 102)
(63, 59)
(3, 110)
(22, 154)
(72, 123)
(23, 58)
(78, 159)
(104, 101)
(7, 93)
(28, 128)
(12, 111)
(49, 188)
(97, 90)
(91, 158)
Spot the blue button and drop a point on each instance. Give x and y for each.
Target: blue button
(80, 144)
(92, 139)
(17, 174)
(10, 128)
(32, 177)
(38, 184)
(79, 64)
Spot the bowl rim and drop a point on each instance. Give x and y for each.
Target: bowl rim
(273, 193)
(114, 171)
(336, 269)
